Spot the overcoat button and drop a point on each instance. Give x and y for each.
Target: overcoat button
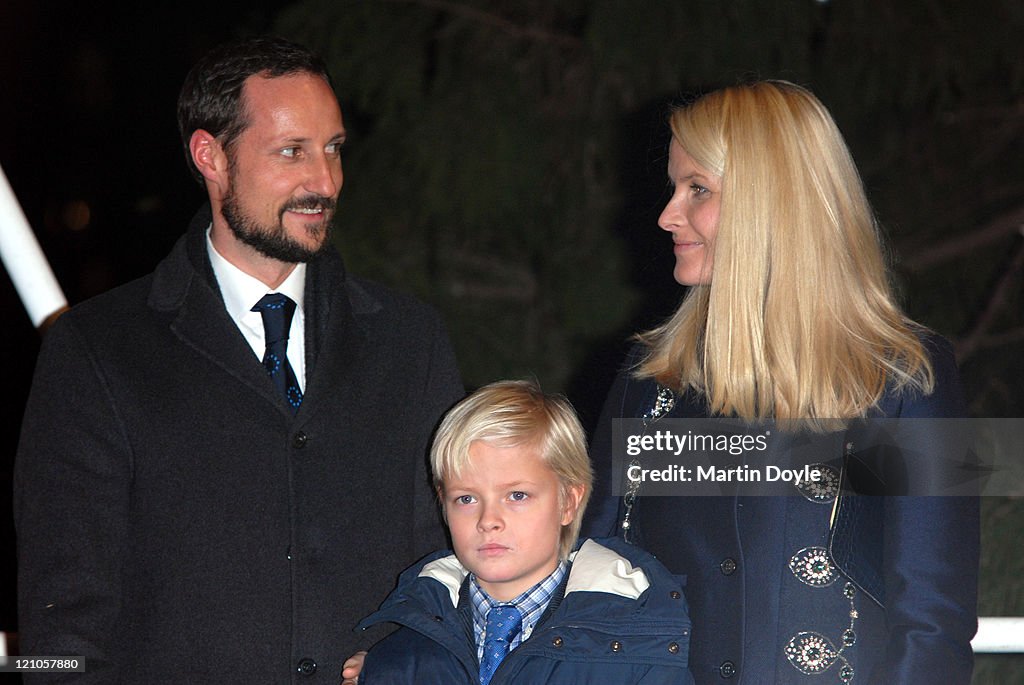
(306, 667)
(557, 642)
(728, 566)
(616, 646)
(673, 647)
(675, 594)
(727, 669)
(299, 440)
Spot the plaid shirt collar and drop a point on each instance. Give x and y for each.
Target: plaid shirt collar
(531, 605)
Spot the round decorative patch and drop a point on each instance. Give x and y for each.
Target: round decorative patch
(812, 566)
(822, 491)
(811, 653)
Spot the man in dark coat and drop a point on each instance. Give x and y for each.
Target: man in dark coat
(183, 517)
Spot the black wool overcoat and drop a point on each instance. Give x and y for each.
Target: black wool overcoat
(177, 524)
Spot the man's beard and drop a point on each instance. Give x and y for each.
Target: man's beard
(274, 241)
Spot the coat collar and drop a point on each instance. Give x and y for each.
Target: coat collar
(185, 288)
(595, 568)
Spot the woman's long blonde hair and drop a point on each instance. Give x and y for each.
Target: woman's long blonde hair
(799, 320)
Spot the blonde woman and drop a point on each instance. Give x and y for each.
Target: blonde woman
(789, 315)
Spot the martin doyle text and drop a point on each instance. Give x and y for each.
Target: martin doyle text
(767, 473)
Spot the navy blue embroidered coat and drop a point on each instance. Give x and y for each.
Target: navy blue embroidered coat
(888, 594)
(619, 617)
(177, 524)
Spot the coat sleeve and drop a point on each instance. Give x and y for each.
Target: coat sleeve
(408, 656)
(931, 555)
(71, 503)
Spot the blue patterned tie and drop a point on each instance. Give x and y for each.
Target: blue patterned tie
(277, 310)
(503, 622)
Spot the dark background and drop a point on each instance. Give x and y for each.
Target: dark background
(507, 164)
(90, 148)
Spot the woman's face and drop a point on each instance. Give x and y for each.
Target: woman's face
(691, 216)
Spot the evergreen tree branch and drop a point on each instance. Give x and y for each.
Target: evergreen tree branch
(496, 21)
(973, 115)
(1014, 335)
(975, 339)
(997, 229)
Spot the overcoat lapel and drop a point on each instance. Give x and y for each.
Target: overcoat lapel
(336, 311)
(184, 287)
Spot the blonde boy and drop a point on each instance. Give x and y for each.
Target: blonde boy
(515, 603)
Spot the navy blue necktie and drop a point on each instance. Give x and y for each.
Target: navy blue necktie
(277, 311)
(503, 623)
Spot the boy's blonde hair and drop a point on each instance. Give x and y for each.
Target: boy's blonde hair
(518, 414)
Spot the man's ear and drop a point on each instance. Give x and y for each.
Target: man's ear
(209, 157)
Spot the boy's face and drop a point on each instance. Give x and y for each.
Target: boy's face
(505, 518)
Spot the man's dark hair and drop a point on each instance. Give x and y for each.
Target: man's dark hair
(211, 97)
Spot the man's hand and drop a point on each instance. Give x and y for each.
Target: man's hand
(353, 666)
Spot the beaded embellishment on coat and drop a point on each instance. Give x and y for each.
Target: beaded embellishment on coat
(811, 652)
(812, 566)
(664, 402)
(822, 491)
